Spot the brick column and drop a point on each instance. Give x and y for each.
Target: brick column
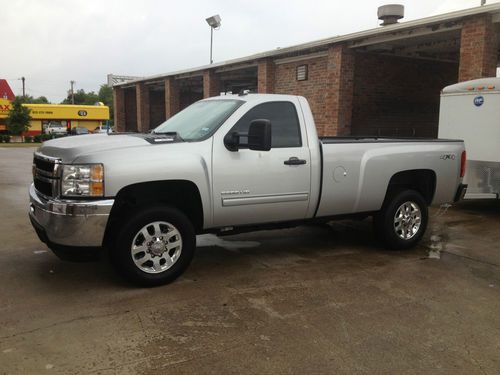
(142, 97)
(211, 84)
(265, 76)
(119, 108)
(172, 97)
(478, 49)
(340, 90)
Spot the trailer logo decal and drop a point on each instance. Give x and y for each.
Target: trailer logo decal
(478, 101)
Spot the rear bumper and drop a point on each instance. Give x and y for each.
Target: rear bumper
(459, 195)
(69, 223)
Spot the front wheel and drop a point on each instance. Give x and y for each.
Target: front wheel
(402, 221)
(154, 247)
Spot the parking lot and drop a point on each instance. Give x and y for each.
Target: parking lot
(314, 299)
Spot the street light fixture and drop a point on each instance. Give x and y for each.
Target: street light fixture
(214, 23)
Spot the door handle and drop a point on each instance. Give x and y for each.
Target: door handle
(294, 161)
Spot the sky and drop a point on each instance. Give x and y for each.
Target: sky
(51, 42)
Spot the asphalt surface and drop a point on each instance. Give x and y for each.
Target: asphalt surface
(315, 299)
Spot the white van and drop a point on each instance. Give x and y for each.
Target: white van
(471, 111)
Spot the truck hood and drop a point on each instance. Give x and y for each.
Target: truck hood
(69, 148)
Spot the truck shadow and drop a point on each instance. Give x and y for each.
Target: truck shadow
(219, 257)
(286, 248)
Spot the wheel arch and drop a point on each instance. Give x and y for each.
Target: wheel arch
(421, 180)
(181, 194)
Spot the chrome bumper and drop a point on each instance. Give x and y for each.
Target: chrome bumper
(69, 223)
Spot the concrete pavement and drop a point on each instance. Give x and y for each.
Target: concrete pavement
(315, 299)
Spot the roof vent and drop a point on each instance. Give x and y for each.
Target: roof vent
(390, 13)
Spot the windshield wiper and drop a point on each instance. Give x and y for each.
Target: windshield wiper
(175, 135)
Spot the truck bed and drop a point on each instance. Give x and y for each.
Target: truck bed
(356, 171)
(373, 139)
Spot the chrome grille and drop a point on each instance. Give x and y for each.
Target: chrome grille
(45, 174)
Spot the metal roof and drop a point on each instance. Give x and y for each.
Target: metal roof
(381, 30)
(5, 90)
(475, 86)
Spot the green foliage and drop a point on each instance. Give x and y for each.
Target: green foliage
(18, 119)
(28, 139)
(28, 99)
(37, 138)
(82, 97)
(106, 96)
(6, 138)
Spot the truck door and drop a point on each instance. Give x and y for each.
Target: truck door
(263, 186)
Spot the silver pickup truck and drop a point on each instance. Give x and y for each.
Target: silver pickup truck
(224, 165)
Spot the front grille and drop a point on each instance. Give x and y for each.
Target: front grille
(43, 187)
(45, 174)
(44, 165)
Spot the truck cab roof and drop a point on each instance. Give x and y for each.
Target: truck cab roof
(254, 97)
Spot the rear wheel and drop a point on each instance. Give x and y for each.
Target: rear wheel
(402, 221)
(154, 246)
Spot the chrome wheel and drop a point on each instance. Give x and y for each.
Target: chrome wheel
(156, 247)
(407, 220)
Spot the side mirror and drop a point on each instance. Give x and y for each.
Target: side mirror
(259, 137)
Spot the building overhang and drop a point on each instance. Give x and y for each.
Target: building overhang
(436, 38)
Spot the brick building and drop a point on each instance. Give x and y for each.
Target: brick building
(384, 81)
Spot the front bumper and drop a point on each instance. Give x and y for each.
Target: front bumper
(69, 223)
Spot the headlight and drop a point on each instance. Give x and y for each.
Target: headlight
(82, 180)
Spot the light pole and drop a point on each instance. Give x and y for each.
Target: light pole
(214, 23)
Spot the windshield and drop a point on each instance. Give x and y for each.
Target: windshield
(199, 120)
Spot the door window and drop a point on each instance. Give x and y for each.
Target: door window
(284, 123)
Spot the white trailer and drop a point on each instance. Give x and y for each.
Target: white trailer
(471, 111)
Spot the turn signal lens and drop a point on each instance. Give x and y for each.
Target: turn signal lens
(96, 172)
(96, 189)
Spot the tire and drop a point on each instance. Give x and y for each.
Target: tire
(154, 246)
(402, 221)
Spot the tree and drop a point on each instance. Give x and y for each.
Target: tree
(82, 97)
(18, 119)
(28, 99)
(106, 96)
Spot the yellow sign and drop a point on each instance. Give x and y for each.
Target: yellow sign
(60, 111)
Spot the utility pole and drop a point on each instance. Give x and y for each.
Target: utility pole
(72, 92)
(24, 87)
